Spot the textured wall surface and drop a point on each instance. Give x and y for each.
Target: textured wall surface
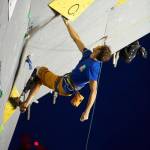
(51, 45)
(11, 38)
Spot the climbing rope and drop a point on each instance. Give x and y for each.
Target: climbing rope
(92, 116)
(94, 106)
(106, 26)
(104, 37)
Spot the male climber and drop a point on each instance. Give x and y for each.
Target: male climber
(86, 71)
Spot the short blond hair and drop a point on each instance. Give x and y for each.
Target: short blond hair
(104, 51)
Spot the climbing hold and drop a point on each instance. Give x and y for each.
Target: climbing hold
(1, 93)
(9, 108)
(120, 2)
(28, 60)
(1, 128)
(26, 36)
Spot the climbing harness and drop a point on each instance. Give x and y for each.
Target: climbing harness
(66, 78)
(29, 62)
(77, 98)
(69, 82)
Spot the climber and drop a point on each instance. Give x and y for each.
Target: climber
(86, 71)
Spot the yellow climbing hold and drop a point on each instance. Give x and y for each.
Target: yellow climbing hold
(120, 2)
(70, 9)
(9, 109)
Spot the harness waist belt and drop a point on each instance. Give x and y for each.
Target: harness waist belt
(69, 82)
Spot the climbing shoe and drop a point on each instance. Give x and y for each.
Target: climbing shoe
(32, 80)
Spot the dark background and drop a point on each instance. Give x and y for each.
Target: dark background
(121, 120)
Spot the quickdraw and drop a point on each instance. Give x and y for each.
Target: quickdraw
(28, 60)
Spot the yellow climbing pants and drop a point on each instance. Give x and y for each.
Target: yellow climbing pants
(49, 79)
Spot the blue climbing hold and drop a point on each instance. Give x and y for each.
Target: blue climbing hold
(28, 60)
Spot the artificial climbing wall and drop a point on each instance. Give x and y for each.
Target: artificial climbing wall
(122, 21)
